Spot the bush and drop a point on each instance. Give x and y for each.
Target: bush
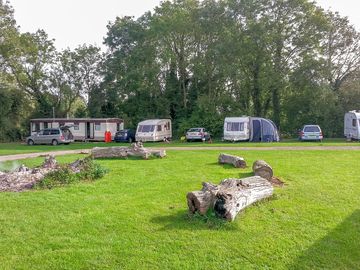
(90, 171)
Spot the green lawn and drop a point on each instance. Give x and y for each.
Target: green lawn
(136, 217)
(19, 148)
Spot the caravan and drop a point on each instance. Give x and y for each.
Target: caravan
(253, 129)
(352, 125)
(154, 130)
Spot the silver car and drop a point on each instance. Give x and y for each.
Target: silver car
(52, 136)
(197, 134)
(310, 133)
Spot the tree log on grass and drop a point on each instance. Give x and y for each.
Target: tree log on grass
(237, 162)
(263, 169)
(229, 197)
(136, 149)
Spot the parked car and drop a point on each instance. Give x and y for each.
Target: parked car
(197, 134)
(310, 133)
(125, 135)
(52, 136)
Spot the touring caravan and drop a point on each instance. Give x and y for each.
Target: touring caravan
(254, 129)
(352, 125)
(83, 129)
(153, 130)
(237, 128)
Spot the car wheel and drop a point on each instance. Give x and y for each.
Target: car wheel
(130, 140)
(54, 142)
(30, 142)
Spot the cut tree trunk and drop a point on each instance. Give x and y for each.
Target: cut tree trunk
(237, 194)
(237, 162)
(201, 201)
(136, 149)
(263, 169)
(229, 197)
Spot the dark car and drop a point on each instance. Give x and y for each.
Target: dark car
(52, 136)
(125, 135)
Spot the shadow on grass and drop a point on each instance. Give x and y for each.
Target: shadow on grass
(182, 220)
(340, 249)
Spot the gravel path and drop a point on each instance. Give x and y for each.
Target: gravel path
(185, 148)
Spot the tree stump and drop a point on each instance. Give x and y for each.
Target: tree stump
(229, 197)
(237, 194)
(237, 162)
(263, 169)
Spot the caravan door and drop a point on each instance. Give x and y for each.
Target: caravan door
(89, 130)
(256, 131)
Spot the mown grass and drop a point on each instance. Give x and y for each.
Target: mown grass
(136, 217)
(20, 148)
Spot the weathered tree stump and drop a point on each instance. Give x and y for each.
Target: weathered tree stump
(135, 149)
(237, 194)
(263, 169)
(201, 201)
(229, 197)
(237, 162)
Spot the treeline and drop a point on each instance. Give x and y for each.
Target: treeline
(195, 62)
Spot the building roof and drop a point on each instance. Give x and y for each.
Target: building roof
(76, 119)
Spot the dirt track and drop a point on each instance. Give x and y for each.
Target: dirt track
(185, 148)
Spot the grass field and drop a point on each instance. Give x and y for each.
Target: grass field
(136, 217)
(20, 148)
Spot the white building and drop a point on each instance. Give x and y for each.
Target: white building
(92, 129)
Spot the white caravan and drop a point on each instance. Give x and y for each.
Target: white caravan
(237, 128)
(352, 125)
(154, 130)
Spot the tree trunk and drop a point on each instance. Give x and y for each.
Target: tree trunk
(230, 197)
(201, 201)
(236, 194)
(263, 169)
(136, 149)
(237, 162)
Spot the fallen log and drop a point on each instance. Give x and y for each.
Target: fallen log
(237, 162)
(238, 194)
(135, 149)
(263, 169)
(229, 197)
(201, 201)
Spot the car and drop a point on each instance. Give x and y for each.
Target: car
(125, 135)
(54, 136)
(197, 134)
(310, 133)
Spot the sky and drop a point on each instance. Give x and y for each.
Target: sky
(75, 22)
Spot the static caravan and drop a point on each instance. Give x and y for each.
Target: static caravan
(83, 129)
(153, 130)
(237, 128)
(253, 129)
(352, 125)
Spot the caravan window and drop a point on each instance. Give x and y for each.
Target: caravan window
(235, 126)
(158, 128)
(354, 122)
(146, 128)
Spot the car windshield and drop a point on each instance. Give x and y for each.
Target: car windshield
(312, 129)
(146, 128)
(122, 132)
(195, 130)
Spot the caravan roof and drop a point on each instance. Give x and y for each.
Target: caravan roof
(152, 121)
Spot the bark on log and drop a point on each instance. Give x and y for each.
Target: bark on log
(136, 149)
(237, 194)
(201, 201)
(263, 169)
(229, 197)
(237, 162)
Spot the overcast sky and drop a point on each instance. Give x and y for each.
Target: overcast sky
(75, 22)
